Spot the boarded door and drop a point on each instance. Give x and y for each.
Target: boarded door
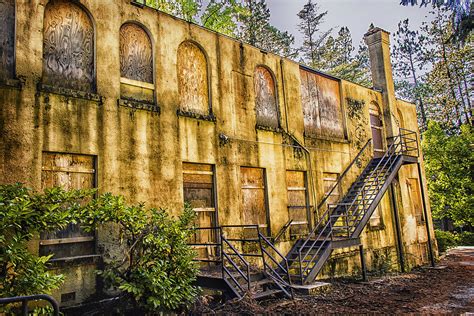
(68, 171)
(376, 126)
(198, 189)
(298, 206)
(254, 206)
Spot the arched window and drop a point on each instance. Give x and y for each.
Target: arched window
(193, 79)
(68, 47)
(265, 98)
(401, 120)
(136, 53)
(7, 39)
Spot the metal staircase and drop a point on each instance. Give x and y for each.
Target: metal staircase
(341, 224)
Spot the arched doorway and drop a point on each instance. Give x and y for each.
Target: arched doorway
(376, 127)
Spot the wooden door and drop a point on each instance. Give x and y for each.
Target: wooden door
(68, 171)
(198, 190)
(254, 205)
(376, 127)
(298, 203)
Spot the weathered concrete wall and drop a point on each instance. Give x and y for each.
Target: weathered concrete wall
(140, 146)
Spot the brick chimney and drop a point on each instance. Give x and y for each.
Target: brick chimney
(378, 42)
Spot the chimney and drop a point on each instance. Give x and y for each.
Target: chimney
(378, 42)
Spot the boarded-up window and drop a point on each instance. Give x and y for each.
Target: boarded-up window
(68, 171)
(415, 199)
(7, 39)
(136, 53)
(254, 206)
(265, 98)
(376, 127)
(198, 189)
(192, 79)
(321, 102)
(298, 206)
(68, 47)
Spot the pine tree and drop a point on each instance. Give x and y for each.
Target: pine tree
(343, 46)
(256, 30)
(310, 21)
(409, 60)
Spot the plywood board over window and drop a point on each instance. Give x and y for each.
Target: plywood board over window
(68, 171)
(254, 204)
(298, 203)
(68, 47)
(415, 199)
(266, 106)
(329, 181)
(198, 190)
(7, 39)
(322, 108)
(192, 79)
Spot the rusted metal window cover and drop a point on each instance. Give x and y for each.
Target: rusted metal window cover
(254, 206)
(322, 108)
(136, 53)
(7, 39)
(266, 98)
(192, 79)
(297, 202)
(69, 171)
(68, 47)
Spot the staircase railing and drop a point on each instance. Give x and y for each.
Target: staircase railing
(25, 299)
(227, 258)
(404, 144)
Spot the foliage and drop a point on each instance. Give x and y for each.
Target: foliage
(24, 214)
(310, 21)
(156, 271)
(462, 15)
(409, 53)
(222, 16)
(449, 162)
(184, 9)
(447, 240)
(256, 30)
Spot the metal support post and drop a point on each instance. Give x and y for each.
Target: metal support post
(362, 263)
(401, 256)
(425, 213)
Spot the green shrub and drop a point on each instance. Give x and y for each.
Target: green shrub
(466, 239)
(445, 240)
(156, 272)
(23, 215)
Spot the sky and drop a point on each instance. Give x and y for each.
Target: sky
(355, 14)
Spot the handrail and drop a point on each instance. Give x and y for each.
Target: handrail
(25, 299)
(325, 224)
(283, 230)
(339, 178)
(225, 271)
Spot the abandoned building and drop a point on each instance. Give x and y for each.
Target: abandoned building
(130, 100)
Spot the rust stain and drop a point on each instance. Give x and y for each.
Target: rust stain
(7, 38)
(265, 98)
(136, 53)
(321, 105)
(68, 47)
(192, 79)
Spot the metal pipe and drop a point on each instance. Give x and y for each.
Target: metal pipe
(425, 213)
(362, 263)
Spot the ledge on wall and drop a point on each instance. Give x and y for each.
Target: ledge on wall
(11, 83)
(70, 93)
(209, 117)
(139, 105)
(268, 128)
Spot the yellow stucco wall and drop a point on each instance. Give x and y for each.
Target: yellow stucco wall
(140, 153)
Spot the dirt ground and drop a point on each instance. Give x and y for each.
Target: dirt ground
(448, 289)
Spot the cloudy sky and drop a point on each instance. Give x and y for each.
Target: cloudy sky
(355, 14)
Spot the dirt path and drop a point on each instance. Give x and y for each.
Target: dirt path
(432, 291)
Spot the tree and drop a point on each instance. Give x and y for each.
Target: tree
(310, 22)
(409, 59)
(462, 17)
(449, 163)
(222, 16)
(256, 30)
(184, 9)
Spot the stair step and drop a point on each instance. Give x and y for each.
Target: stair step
(266, 294)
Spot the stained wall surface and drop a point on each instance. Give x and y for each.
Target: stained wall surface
(242, 114)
